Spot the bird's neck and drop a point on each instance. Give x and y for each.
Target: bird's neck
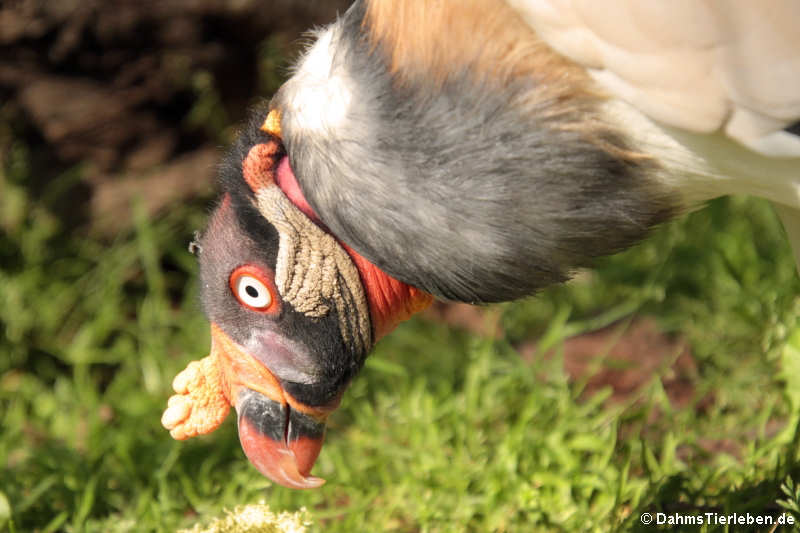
(390, 300)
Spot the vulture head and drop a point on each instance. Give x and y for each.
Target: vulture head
(293, 314)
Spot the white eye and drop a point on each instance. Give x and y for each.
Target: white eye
(252, 292)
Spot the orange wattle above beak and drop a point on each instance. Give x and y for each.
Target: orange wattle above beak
(280, 436)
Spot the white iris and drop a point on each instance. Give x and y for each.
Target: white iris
(252, 292)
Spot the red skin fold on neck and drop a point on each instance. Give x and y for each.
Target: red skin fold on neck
(390, 301)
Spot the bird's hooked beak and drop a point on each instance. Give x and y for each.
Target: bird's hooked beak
(280, 436)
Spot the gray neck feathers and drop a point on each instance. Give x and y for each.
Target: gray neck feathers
(468, 189)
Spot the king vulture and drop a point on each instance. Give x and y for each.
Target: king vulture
(473, 151)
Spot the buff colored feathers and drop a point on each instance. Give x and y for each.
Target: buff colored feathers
(697, 65)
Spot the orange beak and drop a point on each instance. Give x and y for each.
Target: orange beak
(280, 436)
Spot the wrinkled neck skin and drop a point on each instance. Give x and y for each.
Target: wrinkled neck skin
(390, 301)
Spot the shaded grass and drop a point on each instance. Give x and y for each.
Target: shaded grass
(445, 430)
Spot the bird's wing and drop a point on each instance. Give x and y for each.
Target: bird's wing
(699, 65)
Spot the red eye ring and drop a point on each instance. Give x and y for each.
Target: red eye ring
(254, 288)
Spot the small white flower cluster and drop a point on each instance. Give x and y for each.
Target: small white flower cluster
(256, 518)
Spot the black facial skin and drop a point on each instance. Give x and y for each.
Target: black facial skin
(237, 235)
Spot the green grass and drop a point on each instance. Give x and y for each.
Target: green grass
(444, 430)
